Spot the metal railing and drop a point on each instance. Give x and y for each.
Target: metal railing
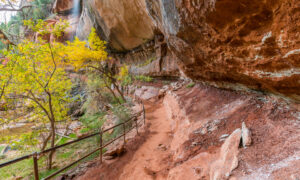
(35, 155)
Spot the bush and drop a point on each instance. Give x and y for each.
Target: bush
(147, 62)
(144, 78)
(190, 85)
(92, 122)
(122, 112)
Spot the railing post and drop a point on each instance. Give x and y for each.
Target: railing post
(136, 125)
(36, 168)
(144, 113)
(101, 143)
(124, 128)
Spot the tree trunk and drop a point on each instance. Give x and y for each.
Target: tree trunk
(52, 122)
(46, 142)
(112, 79)
(121, 94)
(113, 93)
(50, 157)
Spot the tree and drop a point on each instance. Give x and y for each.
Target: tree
(92, 55)
(13, 31)
(11, 5)
(34, 71)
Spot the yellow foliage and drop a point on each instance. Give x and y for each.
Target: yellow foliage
(36, 69)
(80, 54)
(43, 28)
(123, 72)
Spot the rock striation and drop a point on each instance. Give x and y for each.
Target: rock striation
(254, 43)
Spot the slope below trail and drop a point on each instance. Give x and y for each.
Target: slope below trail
(148, 155)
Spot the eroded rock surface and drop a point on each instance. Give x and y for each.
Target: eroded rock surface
(201, 115)
(254, 43)
(125, 24)
(64, 6)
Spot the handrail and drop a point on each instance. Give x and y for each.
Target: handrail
(16, 160)
(35, 154)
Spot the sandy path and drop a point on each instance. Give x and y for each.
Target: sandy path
(152, 158)
(148, 155)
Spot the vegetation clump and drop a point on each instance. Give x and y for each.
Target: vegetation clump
(147, 62)
(144, 78)
(33, 75)
(190, 85)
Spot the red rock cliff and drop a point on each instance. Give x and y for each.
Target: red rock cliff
(242, 42)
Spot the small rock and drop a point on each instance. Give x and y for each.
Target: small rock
(161, 93)
(116, 152)
(162, 147)
(83, 135)
(197, 170)
(212, 126)
(246, 135)
(109, 157)
(232, 178)
(75, 125)
(2, 156)
(223, 137)
(194, 144)
(201, 131)
(5, 150)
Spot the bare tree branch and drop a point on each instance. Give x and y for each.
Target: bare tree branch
(11, 8)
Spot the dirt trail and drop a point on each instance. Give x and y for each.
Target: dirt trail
(148, 157)
(152, 158)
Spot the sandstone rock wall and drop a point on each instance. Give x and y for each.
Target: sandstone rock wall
(63, 6)
(124, 23)
(255, 43)
(250, 42)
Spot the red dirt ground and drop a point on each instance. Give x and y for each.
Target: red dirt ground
(274, 123)
(139, 161)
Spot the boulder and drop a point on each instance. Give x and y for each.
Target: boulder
(228, 157)
(125, 24)
(117, 152)
(147, 92)
(246, 135)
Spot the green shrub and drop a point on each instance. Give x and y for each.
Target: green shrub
(127, 80)
(92, 122)
(144, 78)
(190, 85)
(147, 62)
(122, 112)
